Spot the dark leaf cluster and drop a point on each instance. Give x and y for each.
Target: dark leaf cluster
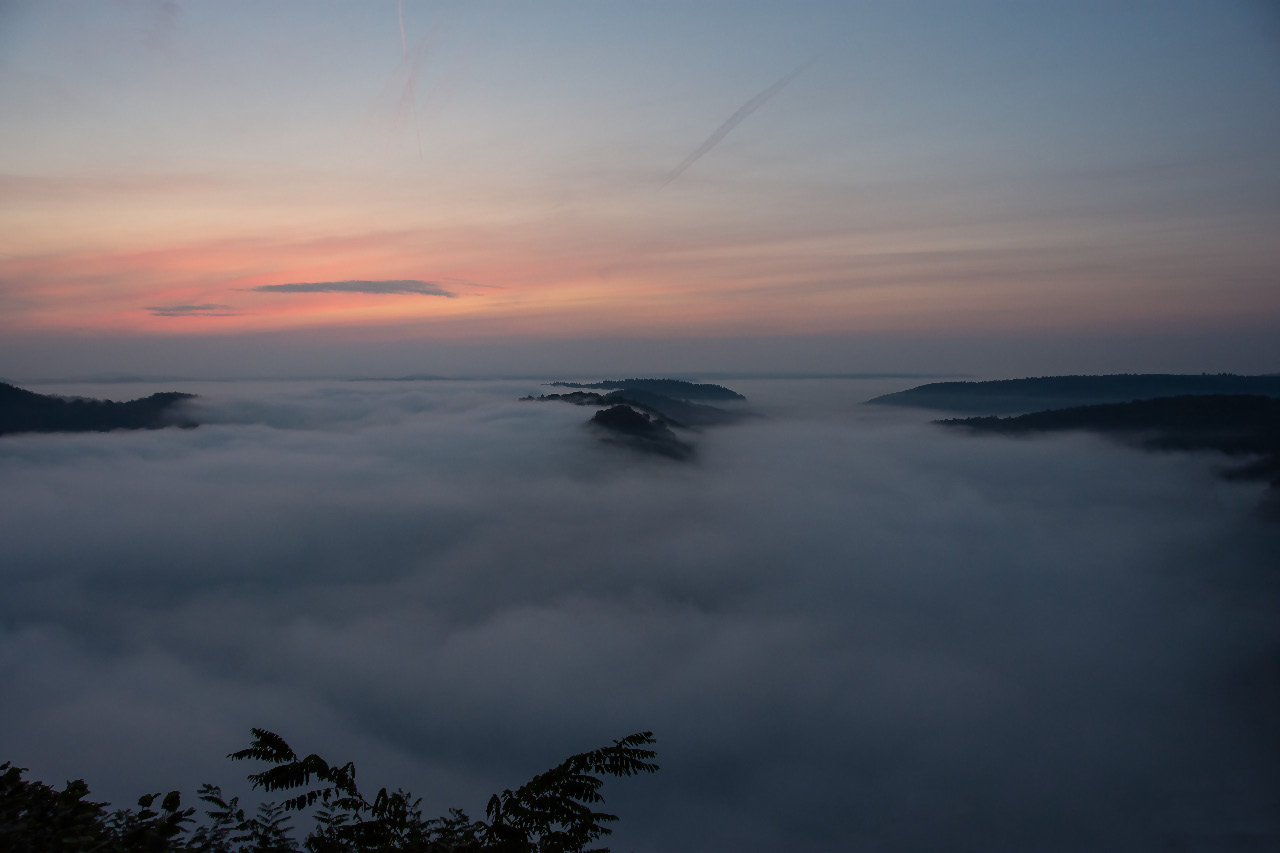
(555, 812)
(37, 817)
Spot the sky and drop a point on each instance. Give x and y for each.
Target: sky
(216, 189)
(847, 628)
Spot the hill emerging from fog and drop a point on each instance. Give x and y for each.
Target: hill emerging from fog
(624, 426)
(637, 416)
(677, 389)
(27, 411)
(676, 413)
(1230, 423)
(1238, 425)
(1015, 396)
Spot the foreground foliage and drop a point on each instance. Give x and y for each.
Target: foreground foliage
(554, 812)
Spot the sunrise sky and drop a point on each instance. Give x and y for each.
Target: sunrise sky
(297, 188)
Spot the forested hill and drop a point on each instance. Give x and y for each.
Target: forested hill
(1230, 423)
(1239, 424)
(677, 413)
(625, 426)
(27, 411)
(675, 388)
(1009, 396)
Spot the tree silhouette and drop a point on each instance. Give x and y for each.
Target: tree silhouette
(554, 812)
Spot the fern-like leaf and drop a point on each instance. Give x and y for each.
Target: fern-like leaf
(266, 746)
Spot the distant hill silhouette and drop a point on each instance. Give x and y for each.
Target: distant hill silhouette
(677, 413)
(641, 418)
(1236, 424)
(1231, 423)
(625, 426)
(673, 388)
(1010, 396)
(27, 411)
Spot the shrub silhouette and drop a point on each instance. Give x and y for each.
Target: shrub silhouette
(554, 812)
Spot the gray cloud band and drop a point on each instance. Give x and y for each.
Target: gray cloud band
(404, 286)
(206, 310)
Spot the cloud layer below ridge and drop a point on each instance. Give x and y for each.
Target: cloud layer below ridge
(848, 629)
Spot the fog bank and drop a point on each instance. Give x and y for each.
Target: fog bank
(847, 628)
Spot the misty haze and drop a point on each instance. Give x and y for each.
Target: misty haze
(815, 427)
(848, 627)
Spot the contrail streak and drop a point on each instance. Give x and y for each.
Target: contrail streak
(733, 121)
(412, 71)
(404, 50)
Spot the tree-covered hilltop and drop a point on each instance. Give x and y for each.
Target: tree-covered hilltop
(676, 388)
(1236, 424)
(554, 812)
(1009, 396)
(623, 425)
(640, 418)
(27, 411)
(676, 413)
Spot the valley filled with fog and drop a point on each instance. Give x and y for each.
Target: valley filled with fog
(847, 628)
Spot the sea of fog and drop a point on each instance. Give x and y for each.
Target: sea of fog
(848, 629)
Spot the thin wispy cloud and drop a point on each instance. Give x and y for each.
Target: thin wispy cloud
(411, 73)
(162, 18)
(733, 121)
(206, 310)
(405, 286)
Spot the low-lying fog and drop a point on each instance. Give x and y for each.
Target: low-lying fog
(849, 630)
